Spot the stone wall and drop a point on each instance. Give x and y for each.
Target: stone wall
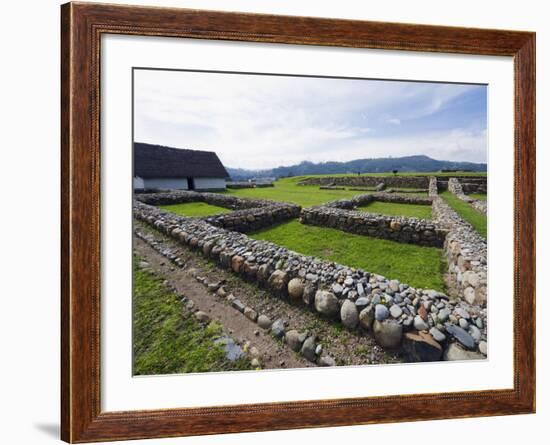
(424, 324)
(360, 200)
(369, 181)
(469, 184)
(466, 253)
(395, 228)
(433, 189)
(218, 199)
(249, 220)
(249, 214)
(457, 189)
(342, 215)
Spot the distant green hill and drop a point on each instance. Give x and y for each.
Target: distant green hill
(374, 165)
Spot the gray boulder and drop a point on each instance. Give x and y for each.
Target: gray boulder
(308, 349)
(202, 316)
(396, 311)
(264, 321)
(381, 312)
(462, 336)
(349, 315)
(295, 288)
(278, 281)
(294, 340)
(366, 318)
(421, 347)
(250, 313)
(456, 352)
(278, 328)
(308, 296)
(326, 303)
(325, 360)
(387, 333)
(420, 324)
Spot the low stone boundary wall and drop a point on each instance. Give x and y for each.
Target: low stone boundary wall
(368, 181)
(395, 228)
(469, 184)
(249, 214)
(456, 188)
(249, 220)
(298, 342)
(341, 215)
(360, 200)
(391, 190)
(466, 253)
(433, 189)
(218, 199)
(424, 324)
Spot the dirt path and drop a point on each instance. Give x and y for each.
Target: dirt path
(273, 354)
(347, 348)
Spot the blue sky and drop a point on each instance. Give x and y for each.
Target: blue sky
(262, 121)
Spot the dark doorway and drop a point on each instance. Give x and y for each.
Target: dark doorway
(190, 183)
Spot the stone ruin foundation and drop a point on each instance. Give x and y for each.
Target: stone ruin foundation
(424, 324)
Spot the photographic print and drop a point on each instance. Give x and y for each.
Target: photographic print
(285, 221)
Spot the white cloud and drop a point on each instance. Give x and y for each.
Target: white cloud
(266, 121)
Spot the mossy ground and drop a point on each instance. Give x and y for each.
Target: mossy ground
(467, 212)
(167, 339)
(288, 190)
(479, 196)
(397, 209)
(418, 266)
(195, 209)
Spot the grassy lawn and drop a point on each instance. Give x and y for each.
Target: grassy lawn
(479, 196)
(396, 209)
(418, 266)
(287, 190)
(195, 209)
(467, 212)
(167, 340)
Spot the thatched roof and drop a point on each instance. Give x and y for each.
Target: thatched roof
(158, 161)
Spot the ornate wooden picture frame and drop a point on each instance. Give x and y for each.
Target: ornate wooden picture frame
(82, 26)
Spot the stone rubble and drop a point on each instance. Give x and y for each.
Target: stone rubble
(275, 267)
(342, 215)
(456, 188)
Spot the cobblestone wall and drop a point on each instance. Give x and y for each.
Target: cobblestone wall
(425, 324)
(369, 181)
(248, 214)
(466, 253)
(342, 215)
(457, 189)
(396, 228)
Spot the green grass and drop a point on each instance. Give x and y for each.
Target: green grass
(195, 209)
(287, 190)
(167, 341)
(467, 212)
(479, 196)
(396, 209)
(418, 266)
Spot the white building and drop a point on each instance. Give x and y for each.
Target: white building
(159, 167)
